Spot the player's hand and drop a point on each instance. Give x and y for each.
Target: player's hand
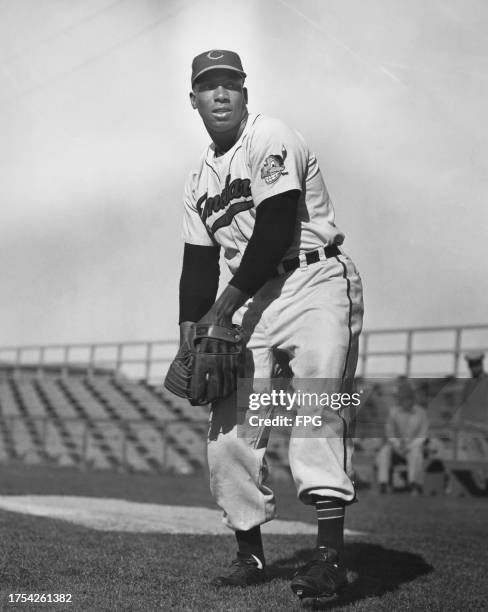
(186, 339)
(213, 318)
(208, 345)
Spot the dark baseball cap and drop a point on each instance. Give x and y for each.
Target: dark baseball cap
(216, 58)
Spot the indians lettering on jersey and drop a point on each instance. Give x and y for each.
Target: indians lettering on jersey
(234, 190)
(223, 192)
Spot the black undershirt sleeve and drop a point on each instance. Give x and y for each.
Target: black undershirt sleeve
(199, 281)
(272, 236)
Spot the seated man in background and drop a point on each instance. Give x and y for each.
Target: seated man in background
(406, 431)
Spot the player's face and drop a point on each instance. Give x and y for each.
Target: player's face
(220, 97)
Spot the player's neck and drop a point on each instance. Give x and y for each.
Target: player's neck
(224, 141)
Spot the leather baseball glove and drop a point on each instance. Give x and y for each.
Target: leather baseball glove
(208, 370)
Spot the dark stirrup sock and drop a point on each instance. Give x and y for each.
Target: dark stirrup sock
(330, 519)
(250, 542)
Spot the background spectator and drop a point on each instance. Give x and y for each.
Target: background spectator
(406, 431)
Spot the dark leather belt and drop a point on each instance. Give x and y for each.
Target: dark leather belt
(305, 259)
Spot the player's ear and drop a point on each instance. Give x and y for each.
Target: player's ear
(244, 91)
(193, 99)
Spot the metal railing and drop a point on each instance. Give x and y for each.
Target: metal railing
(420, 351)
(144, 359)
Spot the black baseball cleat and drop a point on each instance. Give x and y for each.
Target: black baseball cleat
(323, 576)
(244, 571)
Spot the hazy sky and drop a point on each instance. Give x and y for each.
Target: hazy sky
(97, 136)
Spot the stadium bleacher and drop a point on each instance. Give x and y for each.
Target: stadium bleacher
(99, 421)
(98, 413)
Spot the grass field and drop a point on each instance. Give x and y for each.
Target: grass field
(416, 554)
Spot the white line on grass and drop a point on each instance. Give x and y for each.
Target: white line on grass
(121, 515)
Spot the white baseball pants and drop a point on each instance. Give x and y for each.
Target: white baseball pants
(314, 316)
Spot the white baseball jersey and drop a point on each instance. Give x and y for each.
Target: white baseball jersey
(222, 193)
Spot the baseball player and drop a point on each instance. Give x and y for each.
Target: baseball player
(257, 193)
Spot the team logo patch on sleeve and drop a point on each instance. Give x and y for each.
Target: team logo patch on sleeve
(274, 167)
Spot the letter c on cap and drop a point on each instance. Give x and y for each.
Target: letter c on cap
(214, 57)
